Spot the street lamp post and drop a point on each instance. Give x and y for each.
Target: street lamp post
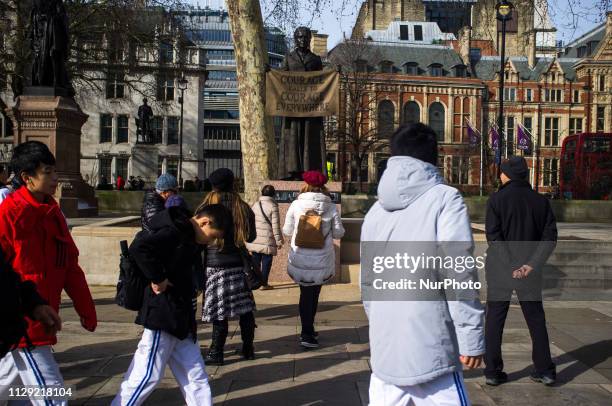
(182, 85)
(504, 10)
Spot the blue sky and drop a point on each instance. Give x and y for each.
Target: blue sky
(571, 17)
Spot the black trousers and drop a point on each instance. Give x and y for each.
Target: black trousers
(309, 301)
(247, 330)
(533, 311)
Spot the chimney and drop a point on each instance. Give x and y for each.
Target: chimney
(318, 44)
(531, 49)
(465, 39)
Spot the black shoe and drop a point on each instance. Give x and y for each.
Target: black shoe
(248, 352)
(546, 380)
(497, 380)
(214, 358)
(315, 334)
(309, 342)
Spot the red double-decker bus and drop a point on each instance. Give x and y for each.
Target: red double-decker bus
(586, 166)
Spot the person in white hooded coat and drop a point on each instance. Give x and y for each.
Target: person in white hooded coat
(309, 267)
(418, 346)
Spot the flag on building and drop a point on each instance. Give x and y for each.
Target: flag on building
(473, 134)
(523, 140)
(495, 144)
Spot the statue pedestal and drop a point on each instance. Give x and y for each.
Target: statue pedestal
(286, 192)
(56, 121)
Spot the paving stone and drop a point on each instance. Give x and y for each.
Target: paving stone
(513, 394)
(260, 369)
(316, 369)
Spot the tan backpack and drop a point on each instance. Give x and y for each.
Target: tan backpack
(309, 233)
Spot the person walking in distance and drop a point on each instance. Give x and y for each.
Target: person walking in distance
(312, 263)
(419, 347)
(166, 256)
(269, 237)
(522, 232)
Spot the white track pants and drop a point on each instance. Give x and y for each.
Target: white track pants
(446, 390)
(156, 350)
(30, 367)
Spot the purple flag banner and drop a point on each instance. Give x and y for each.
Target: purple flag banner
(523, 141)
(473, 136)
(495, 145)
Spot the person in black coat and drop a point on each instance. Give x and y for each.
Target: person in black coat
(522, 233)
(169, 256)
(154, 200)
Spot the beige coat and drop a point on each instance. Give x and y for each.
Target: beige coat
(268, 236)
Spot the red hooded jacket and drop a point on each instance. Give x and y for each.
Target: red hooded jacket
(35, 238)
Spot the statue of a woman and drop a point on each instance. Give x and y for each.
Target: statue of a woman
(301, 138)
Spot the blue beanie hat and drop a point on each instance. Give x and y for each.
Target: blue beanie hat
(166, 182)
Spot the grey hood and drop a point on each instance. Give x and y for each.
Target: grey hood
(404, 180)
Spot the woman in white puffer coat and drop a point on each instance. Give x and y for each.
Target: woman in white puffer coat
(309, 267)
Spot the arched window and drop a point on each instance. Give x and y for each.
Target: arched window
(386, 118)
(412, 113)
(436, 119)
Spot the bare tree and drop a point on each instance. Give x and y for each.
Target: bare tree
(358, 126)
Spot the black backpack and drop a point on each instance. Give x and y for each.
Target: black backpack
(132, 283)
(12, 316)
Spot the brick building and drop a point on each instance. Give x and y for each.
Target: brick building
(450, 81)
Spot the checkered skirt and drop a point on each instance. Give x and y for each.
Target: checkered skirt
(227, 294)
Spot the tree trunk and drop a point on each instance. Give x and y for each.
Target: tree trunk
(256, 131)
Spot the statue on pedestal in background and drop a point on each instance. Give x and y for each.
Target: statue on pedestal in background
(301, 144)
(145, 114)
(50, 44)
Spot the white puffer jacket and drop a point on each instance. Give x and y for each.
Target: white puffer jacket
(309, 266)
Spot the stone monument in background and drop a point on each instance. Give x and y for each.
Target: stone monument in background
(47, 111)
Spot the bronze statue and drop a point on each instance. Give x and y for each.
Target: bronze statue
(145, 113)
(301, 145)
(50, 43)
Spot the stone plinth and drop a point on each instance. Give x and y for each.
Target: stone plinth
(279, 265)
(56, 121)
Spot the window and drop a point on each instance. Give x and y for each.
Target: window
(411, 68)
(386, 67)
(475, 55)
(418, 33)
(435, 69)
(165, 88)
(105, 169)
(551, 131)
(172, 166)
(227, 75)
(591, 46)
(460, 71)
(121, 167)
(576, 96)
(106, 128)
(510, 134)
(528, 95)
(122, 128)
(173, 130)
(157, 128)
(553, 95)
(436, 119)
(450, 16)
(404, 32)
(551, 175)
(575, 125)
(601, 145)
(441, 160)
(386, 118)
(582, 51)
(166, 53)
(602, 83)
(222, 114)
(115, 86)
(460, 170)
(412, 113)
(361, 65)
(509, 94)
(528, 124)
(600, 120)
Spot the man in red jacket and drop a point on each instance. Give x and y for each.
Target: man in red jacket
(35, 239)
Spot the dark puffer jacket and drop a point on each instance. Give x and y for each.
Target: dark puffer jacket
(168, 251)
(151, 205)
